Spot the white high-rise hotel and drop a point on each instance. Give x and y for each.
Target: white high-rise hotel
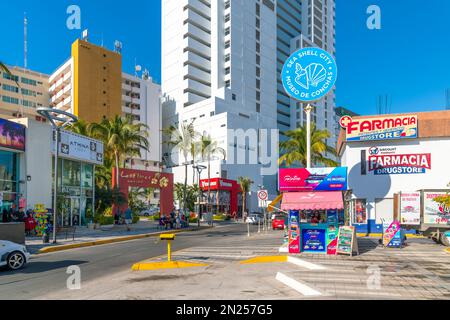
(221, 66)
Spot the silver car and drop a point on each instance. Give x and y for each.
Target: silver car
(13, 255)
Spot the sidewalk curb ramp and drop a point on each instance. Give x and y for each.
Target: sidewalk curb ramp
(113, 240)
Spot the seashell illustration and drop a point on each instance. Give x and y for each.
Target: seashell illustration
(312, 75)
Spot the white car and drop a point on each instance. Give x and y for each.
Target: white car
(254, 219)
(13, 255)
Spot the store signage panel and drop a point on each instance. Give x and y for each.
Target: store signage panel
(313, 179)
(12, 135)
(314, 240)
(294, 232)
(380, 128)
(77, 147)
(392, 160)
(435, 213)
(410, 208)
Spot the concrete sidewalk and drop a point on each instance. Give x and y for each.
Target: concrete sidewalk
(85, 237)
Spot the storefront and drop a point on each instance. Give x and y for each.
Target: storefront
(12, 145)
(225, 198)
(77, 158)
(392, 155)
(314, 199)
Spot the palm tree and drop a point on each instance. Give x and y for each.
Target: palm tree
(5, 69)
(246, 184)
(182, 139)
(81, 127)
(209, 149)
(295, 150)
(121, 138)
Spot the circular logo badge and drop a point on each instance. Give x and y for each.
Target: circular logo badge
(309, 74)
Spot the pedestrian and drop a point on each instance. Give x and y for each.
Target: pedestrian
(5, 216)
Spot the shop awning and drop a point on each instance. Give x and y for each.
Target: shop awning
(313, 201)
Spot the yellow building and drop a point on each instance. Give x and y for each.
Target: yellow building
(89, 84)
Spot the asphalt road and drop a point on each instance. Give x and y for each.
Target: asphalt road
(47, 273)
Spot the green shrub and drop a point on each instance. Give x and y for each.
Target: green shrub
(105, 220)
(136, 218)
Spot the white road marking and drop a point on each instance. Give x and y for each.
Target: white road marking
(297, 286)
(305, 264)
(283, 250)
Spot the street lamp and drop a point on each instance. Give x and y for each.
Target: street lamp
(199, 169)
(59, 120)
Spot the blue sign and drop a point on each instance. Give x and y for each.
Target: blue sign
(314, 240)
(309, 74)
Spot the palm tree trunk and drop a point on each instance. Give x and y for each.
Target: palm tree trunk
(209, 183)
(185, 187)
(117, 168)
(244, 200)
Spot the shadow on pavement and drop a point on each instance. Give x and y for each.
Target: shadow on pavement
(42, 266)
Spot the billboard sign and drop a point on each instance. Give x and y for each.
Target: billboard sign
(380, 128)
(435, 213)
(77, 147)
(309, 74)
(410, 208)
(313, 179)
(389, 160)
(12, 135)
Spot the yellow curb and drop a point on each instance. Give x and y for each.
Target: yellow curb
(267, 259)
(447, 250)
(149, 266)
(107, 241)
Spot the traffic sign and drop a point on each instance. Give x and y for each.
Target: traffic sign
(263, 195)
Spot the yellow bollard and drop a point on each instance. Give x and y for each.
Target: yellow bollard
(169, 253)
(168, 238)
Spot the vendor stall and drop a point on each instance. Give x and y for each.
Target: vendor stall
(315, 201)
(314, 221)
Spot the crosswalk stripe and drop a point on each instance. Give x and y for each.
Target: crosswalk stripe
(297, 286)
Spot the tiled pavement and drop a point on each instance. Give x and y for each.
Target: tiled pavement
(419, 271)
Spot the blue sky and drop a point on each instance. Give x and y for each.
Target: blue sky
(407, 59)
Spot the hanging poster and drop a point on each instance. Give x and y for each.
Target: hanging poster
(410, 208)
(435, 213)
(294, 232)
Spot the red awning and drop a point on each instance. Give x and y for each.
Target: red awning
(328, 200)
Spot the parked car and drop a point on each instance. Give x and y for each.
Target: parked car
(278, 222)
(255, 218)
(149, 212)
(13, 255)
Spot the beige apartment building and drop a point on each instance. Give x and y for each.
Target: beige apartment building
(22, 93)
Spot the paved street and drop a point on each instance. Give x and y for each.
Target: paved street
(420, 271)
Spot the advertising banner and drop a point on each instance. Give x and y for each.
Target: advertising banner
(314, 179)
(435, 213)
(314, 240)
(77, 147)
(410, 208)
(347, 242)
(393, 160)
(332, 236)
(12, 135)
(294, 232)
(392, 237)
(380, 128)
